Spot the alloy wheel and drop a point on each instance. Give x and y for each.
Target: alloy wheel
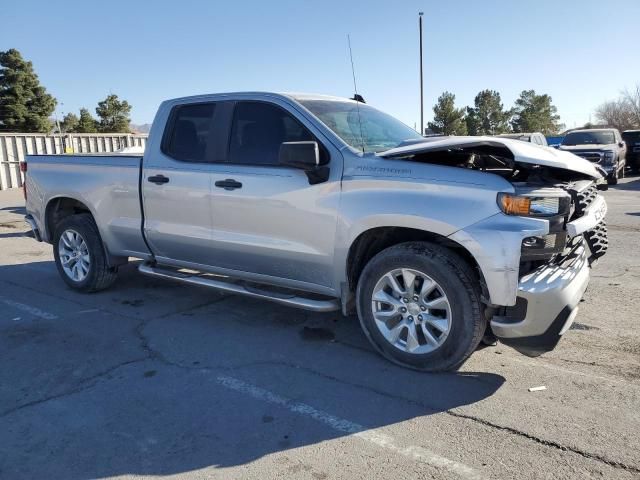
(411, 311)
(74, 255)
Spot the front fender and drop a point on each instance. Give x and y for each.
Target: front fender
(439, 200)
(495, 243)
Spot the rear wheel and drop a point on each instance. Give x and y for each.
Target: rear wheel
(419, 305)
(80, 255)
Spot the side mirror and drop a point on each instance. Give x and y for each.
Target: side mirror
(621, 144)
(304, 155)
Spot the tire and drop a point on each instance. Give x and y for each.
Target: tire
(457, 292)
(613, 178)
(88, 272)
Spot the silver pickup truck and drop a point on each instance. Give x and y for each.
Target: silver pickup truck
(325, 203)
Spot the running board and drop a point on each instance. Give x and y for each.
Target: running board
(203, 280)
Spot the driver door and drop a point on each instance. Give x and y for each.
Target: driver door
(269, 223)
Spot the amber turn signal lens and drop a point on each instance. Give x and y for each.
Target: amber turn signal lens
(513, 205)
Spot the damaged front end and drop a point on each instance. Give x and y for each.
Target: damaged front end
(551, 231)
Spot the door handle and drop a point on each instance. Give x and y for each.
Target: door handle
(228, 184)
(158, 179)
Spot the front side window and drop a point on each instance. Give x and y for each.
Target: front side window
(361, 126)
(258, 130)
(190, 132)
(631, 137)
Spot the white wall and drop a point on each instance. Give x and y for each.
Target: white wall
(15, 146)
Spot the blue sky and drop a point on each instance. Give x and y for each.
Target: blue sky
(580, 52)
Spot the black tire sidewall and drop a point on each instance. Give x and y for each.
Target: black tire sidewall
(84, 225)
(442, 268)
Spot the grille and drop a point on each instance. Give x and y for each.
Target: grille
(596, 238)
(585, 198)
(594, 157)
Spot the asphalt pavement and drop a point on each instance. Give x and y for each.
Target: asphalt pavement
(152, 378)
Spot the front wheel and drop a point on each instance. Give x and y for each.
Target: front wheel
(419, 305)
(613, 178)
(80, 255)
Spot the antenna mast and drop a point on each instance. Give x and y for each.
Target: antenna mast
(421, 82)
(355, 96)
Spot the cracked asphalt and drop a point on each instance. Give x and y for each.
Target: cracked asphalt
(153, 378)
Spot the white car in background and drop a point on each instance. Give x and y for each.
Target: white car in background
(536, 138)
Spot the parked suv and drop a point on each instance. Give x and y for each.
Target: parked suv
(325, 203)
(601, 146)
(632, 139)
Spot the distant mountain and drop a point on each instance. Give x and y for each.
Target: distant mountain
(144, 128)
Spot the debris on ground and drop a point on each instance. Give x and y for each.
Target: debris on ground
(537, 389)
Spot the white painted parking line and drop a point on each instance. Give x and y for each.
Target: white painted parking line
(36, 312)
(381, 440)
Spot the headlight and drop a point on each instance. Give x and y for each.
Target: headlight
(532, 206)
(609, 155)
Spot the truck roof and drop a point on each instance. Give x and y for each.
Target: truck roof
(592, 130)
(515, 135)
(297, 96)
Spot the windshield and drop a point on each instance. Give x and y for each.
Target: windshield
(631, 137)
(380, 131)
(589, 138)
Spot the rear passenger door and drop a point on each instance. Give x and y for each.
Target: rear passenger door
(176, 183)
(269, 223)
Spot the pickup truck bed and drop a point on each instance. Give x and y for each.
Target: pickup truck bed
(108, 185)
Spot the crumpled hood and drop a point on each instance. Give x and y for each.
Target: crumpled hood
(523, 152)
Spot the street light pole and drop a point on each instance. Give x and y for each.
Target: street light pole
(421, 83)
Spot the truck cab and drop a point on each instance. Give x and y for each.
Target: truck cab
(632, 140)
(602, 146)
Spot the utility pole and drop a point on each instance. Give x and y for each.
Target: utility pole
(421, 83)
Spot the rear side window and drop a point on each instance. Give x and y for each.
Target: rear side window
(258, 130)
(190, 132)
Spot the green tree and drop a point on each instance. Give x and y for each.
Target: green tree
(86, 123)
(69, 123)
(447, 119)
(25, 105)
(535, 113)
(487, 116)
(114, 115)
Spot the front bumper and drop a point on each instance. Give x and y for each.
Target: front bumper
(546, 306)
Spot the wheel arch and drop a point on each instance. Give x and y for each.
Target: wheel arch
(61, 207)
(374, 240)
